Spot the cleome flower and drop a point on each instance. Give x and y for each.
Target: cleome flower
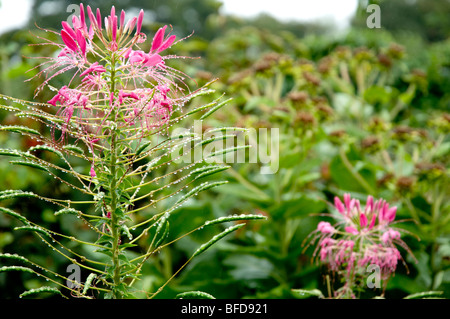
(145, 91)
(115, 83)
(362, 236)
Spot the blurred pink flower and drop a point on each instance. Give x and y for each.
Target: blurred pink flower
(363, 236)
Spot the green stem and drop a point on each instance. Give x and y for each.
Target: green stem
(115, 230)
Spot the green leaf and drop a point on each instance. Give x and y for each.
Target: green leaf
(307, 293)
(216, 238)
(203, 107)
(424, 294)
(234, 218)
(214, 139)
(30, 164)
(19, 129)
(46, 148)
(17, 268)
(8, 194)
(142, 147)
(14, 257)
(33, 228)
(14, 214)
(194, 295)
(215, 108)
(74, 149)
(212, 170)
(88, 282)
(161, 231)
(67, 210)
(14, 153)
(227, 150)
(198, 189)
(40, 290)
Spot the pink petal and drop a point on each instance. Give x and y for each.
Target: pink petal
(114, 28)
(92, 172)
(369, 204)
(99, 19)
(68, 41)
(54, 100)
(68, 29)
(139, 21)
(126, 53)
(111, 98)
(82, 17)
(153, 60)
(372, 222)
(391, 214)
(69, 113)
(122, 19)
(91, 17)
(362, 220)
(347, 200)
(76, 22)
(81, 42)
(339, 206)
(130, 25)
(351, 230)
(158, 38)
(167, 43)
(113, 11)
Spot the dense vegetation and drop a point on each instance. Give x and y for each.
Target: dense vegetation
(366, 113)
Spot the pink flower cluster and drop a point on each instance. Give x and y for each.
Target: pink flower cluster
(145, 91)
(362, 237)
(120, 84)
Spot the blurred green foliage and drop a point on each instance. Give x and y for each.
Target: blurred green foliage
(366, 113)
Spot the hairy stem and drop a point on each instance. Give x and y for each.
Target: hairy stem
(115, 231)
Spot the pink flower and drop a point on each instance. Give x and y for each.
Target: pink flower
(141, 58)
(390, 235)
(158, 43)
(95, 67)
(367, 238)
(92, 171)
(123, 95)
(325, 228)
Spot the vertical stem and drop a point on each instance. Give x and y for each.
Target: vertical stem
(114, 200)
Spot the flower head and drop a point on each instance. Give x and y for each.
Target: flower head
(121, 83)
(363, 236)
